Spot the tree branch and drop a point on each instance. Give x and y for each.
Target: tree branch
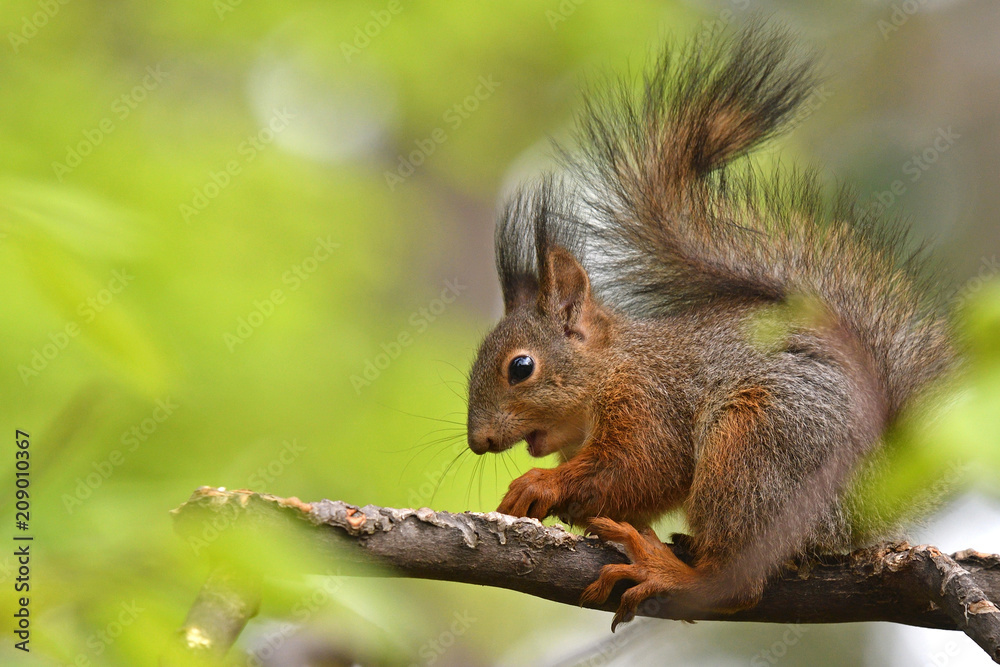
(917, 586)
(220, 612)
(954, 589)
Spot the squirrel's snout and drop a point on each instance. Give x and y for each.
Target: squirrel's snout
(482, 440)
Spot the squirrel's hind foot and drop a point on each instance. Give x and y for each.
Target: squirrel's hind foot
(657, 571)
(654, 568)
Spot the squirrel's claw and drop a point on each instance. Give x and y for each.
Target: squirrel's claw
(631, 599)
(534, 494)
(597, 592)
(637, 545)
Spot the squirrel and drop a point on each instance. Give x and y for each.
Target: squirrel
(686, 330)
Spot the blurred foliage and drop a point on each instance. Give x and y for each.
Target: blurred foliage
(211, 279)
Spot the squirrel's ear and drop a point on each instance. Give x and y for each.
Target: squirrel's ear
(564, 290)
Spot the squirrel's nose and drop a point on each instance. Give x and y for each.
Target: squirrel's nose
(482, 440)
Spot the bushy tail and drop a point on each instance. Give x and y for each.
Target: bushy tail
(669, 226)
(700, 107)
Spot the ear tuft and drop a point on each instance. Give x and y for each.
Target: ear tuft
(519, 292)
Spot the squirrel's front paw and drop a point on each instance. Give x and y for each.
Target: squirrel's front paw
(534, 494)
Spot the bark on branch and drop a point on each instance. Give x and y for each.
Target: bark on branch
(917, 586)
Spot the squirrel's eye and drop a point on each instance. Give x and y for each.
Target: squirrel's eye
(520, 368)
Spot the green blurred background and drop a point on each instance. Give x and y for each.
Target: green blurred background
(250, 245)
